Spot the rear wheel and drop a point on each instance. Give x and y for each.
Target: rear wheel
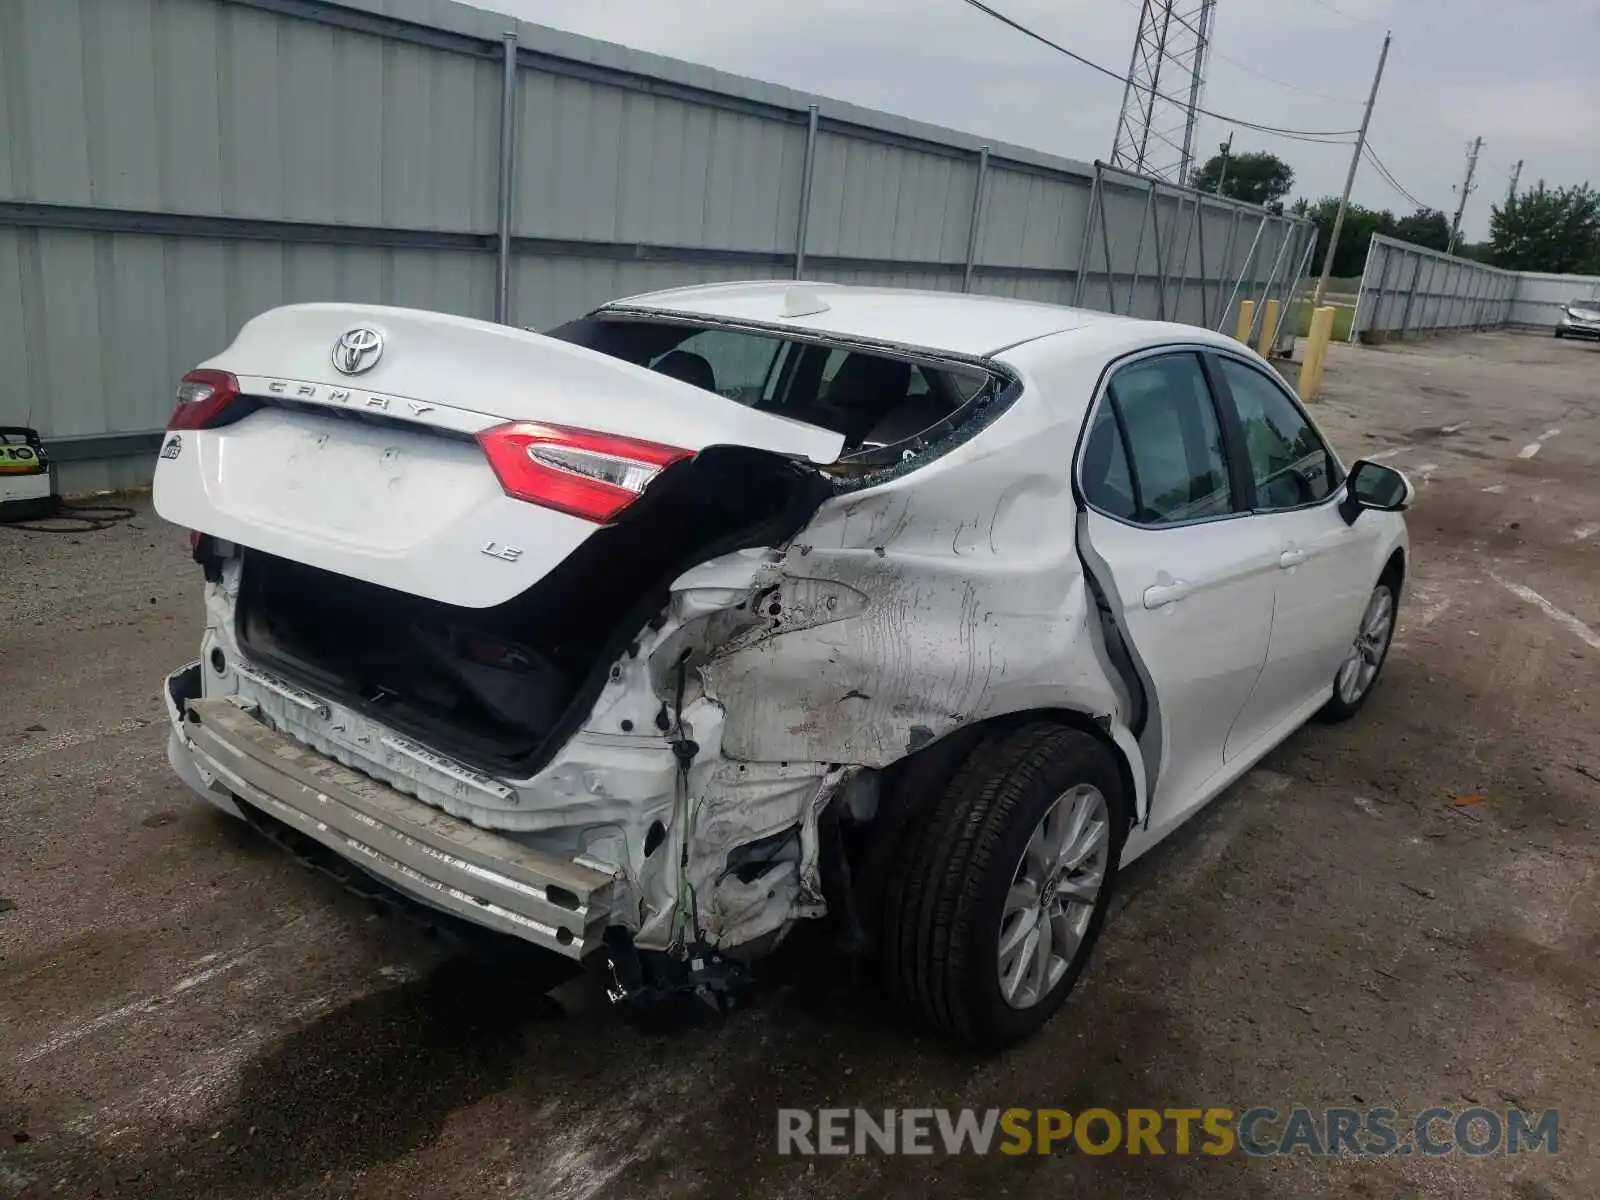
(1000, 891)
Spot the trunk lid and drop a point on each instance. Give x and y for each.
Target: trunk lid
(356, 452)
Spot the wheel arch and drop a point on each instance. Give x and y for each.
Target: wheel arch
(908, 783)
(1103, 728)
(1394, 568)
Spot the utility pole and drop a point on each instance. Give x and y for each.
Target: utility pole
(1466, 190)
(1350, 179)
(1222, 173)
(1516, 174)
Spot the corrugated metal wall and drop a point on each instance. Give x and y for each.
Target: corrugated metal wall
(1541, 297)
(169, 168)
(1410, 290)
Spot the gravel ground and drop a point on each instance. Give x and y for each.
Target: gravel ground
(183, 1011)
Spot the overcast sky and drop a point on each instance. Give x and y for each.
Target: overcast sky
(1526, 77)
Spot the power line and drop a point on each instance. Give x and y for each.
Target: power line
(1388, 176)
(1339, 12)
(1293, 87)
(1305, 135)
(1213, 52)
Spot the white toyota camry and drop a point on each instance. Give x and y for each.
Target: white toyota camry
(732, 606)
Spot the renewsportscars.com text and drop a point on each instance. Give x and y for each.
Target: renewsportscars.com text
(1259, 1132)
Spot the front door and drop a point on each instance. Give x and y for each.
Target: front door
(1189, 572)
(1321, 582)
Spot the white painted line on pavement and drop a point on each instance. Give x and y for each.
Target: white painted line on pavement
(1586, 635)
(147, 1005)
(1537, 445)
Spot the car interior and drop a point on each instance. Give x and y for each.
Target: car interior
(884, 406)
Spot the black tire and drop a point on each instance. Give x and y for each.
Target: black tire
(1559, 333)
(947, 891)
(1339, 709)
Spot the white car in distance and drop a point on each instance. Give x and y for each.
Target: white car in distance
(733, 606)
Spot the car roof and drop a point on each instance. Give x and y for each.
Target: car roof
(954, 322)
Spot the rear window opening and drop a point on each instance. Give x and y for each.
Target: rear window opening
(886, 407)
(501, 688)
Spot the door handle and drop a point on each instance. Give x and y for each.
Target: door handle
(1166, 590)
(1291, 558)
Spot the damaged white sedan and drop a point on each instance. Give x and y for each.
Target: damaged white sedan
(732, 606)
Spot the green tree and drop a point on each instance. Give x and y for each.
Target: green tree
(1359, 225)
(1256, 177)
(1426, 227)
(1545, 230)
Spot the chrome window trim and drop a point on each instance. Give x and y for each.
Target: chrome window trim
(1101, 390)
(1337, 493)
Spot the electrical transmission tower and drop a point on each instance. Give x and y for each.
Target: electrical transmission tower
(1155, 131)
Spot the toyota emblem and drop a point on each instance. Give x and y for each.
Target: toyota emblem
(357, 350)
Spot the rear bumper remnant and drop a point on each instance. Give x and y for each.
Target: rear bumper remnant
(426, 854)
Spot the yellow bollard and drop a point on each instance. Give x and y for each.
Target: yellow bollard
(1269, 326)
(1316, 353)
(1247, 317)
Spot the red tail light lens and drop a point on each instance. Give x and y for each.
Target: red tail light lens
(201, 398)
(590, 475)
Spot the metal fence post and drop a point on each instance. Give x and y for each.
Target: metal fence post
(1383, 286)
(1374, 246)
(976, 225)
(1249, 261)
(806, 169)
(1294, 282)
(1200, 224)
(1138, 245)
(1182, 265)
(1161, 256)
(1105, 247)
(1082, 280)
(508, 162)
(1215, 318)
(1266, 291)
(1411, 297)
(1432, 276)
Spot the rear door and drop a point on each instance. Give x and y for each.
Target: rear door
(1188, 570)
(1321, 581)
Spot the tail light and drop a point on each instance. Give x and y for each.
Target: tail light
(202, 396)
(590, 475)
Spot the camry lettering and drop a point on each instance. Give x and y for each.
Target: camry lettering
(336, 395)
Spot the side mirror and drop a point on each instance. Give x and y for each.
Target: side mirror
(1373, 485)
